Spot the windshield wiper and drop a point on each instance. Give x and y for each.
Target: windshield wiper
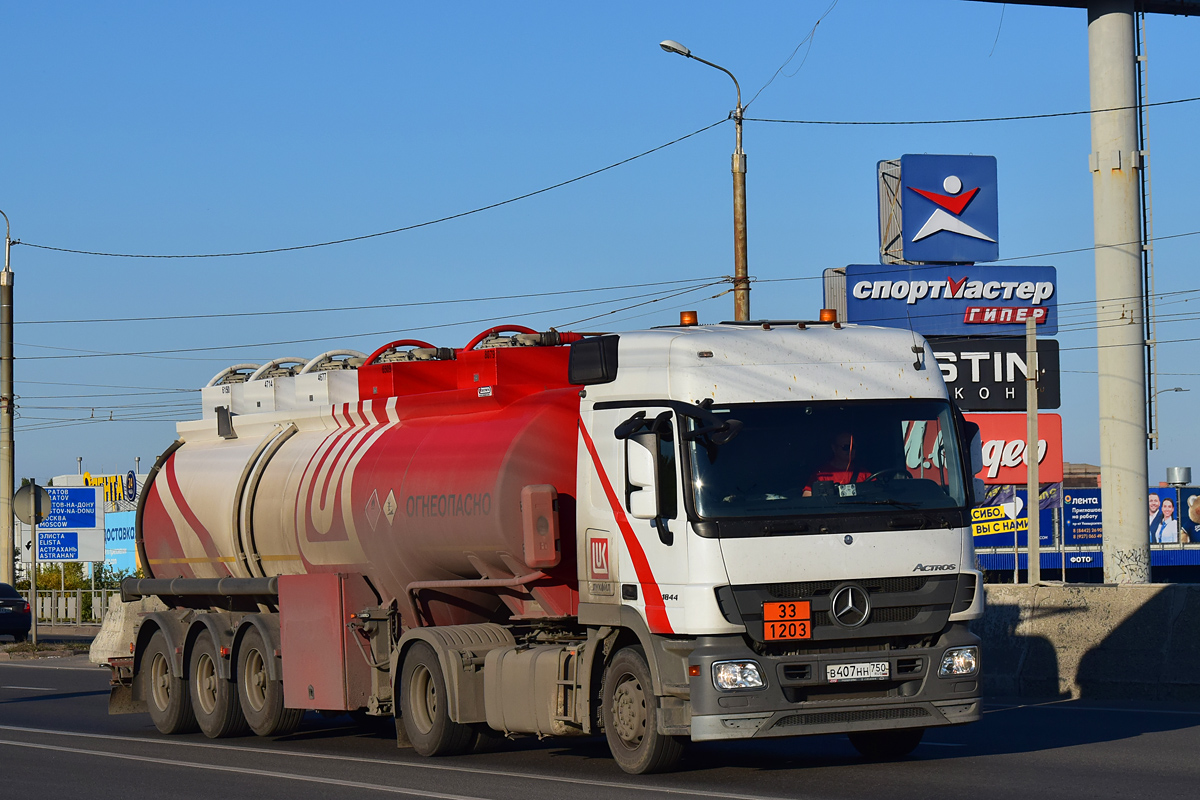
(886, 502)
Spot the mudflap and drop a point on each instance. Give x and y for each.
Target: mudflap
(123, 695)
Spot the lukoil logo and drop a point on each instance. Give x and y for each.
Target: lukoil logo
(950, 206)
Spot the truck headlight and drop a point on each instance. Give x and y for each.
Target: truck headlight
(737, 675)
(959, 661)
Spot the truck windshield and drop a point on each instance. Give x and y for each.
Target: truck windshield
(825, 458)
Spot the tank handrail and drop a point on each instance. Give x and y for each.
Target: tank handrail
(276, 362)
(498, 329)
(398, 343)
(329, 355)
(220, 376)
(133, 588)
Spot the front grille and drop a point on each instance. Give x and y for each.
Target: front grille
(896, 614)
(841, 717)
(803, 589)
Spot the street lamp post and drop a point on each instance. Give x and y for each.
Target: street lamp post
(741, 279)
(7, 538)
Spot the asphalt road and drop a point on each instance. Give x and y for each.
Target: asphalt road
(56, 740)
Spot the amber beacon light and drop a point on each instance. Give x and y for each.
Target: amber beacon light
(688, 318)
(829, 315)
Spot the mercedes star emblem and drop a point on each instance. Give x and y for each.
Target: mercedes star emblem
(850, 606)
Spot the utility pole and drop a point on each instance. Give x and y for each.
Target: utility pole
(7, 461)
(1033, 487)
(1116, 185)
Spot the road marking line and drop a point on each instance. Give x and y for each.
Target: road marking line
(95, 670)
(413, 764)
(1056, 705)
(30, 688)
(261, 773)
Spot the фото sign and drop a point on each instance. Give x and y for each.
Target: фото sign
(949, 208)
(989, 374)
(948, 300)
(1004, 451)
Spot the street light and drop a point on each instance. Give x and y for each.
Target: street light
(7, 537)
(1172, 389)
(741, 280)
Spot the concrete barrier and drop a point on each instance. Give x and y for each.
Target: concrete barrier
(1092, 642)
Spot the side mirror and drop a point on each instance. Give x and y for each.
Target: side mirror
(641, 473)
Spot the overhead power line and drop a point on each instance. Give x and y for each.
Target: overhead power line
(414, 226)
(421, 304)
(972, 119)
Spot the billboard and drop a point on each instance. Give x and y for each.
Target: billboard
(1189, 515)
(989, 374)
(1004, 513)
(1082, 520)
(949, 208)
(1004, 451)
(1163, 515)
(942, 300)
(120, 549)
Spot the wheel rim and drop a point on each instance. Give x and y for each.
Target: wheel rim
(206, 683)
(255, 680)
(160, 681)
(629, 711)
(422, 698)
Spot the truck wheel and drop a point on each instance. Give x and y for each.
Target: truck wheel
(630, 713)
(887, 745)
(214, 699)
(425, 705)
(260, 697)
(166, 696)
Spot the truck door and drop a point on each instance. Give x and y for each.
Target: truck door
(636, 484)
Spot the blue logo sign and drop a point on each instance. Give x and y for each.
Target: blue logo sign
(130, 486)
(950, 213)
(953, 300)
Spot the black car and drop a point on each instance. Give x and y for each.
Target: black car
(14, 613)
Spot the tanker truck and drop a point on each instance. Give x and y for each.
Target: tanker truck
(688, 533)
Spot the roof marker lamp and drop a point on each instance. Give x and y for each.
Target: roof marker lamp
(737, 675)
(828, 315)
(959, 661)
(688, 319)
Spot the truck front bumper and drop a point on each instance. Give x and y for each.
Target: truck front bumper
(798, 700)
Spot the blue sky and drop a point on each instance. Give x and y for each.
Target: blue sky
(189, 128)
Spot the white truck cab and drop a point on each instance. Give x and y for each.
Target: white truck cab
(785, 508)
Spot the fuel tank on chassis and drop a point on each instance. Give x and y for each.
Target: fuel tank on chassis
(400, 490)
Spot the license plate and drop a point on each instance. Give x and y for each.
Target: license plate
(866, 671)
(790, 620)
(5, 610)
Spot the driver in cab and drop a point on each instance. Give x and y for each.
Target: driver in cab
(840, 468)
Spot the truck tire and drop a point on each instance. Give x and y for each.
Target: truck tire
(886, 745)
(166, 696)
(629, 711)
(425, 704)
(214, 699)
(260, 697)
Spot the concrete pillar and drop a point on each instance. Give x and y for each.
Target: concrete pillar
(1115, 165)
